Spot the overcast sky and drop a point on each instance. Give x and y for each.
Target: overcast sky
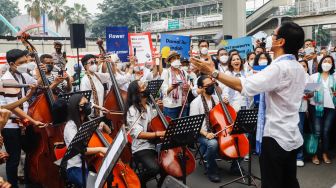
(91, 5)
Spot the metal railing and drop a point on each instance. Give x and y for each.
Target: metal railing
(311, 7)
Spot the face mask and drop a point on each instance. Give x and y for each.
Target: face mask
(223, 58)
(204, 51)
(145, 93)
(49, 67)
(326, 67)
(31, 66)
(210, 90)
(22, 68)
(263, 62)
(176, 64)
(309, 50)
(86, 109)
(251, 63)
(185, 68)
(93, 68)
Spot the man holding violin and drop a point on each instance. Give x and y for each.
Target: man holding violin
(12, 134)
(282, 83)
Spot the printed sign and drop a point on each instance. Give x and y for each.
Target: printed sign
(117, 42)
(243, 45)
(141, 44)
(178, 43)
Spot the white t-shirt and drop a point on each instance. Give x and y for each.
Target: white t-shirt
(70, 131)
(327, 100)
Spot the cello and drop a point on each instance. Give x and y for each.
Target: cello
(222, 118)
(114, 101)
(40, 157)
(169, 159)
(124, 176)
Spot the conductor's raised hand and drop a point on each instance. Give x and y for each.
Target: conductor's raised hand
(204, 66)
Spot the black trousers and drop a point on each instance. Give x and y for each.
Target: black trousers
(277, 166)
(148, 159)
(12, 142)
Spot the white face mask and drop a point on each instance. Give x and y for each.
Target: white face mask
(93, 68)
(176, 64)
(223, 58)
(22, 68)
(31, 66)
(185, 68)
(251, 63)
(263, 62)
(326, 67)
(204, 51)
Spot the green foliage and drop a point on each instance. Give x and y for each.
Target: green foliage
(9, 9)
(57, 12)
(124, 12)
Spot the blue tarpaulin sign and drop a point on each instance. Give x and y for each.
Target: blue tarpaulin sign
(117, 41)
(178, 43)
(243, 45)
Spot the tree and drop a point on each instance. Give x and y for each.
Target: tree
(8, 9)
(124, 12)
(57, 12)
(77, 14)
(36, 8)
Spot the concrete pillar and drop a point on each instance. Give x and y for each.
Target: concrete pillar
(234, 18)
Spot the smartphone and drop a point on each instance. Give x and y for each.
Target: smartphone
(179, 82)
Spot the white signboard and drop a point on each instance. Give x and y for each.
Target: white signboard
(210, 18)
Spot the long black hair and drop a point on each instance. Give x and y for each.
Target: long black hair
(73, 109)
(268, 57)
(332, 70)
(133, 96)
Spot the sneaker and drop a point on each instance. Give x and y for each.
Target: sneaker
(214, 177)
(247, 158)
(299, 163)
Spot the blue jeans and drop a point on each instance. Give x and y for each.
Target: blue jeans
(209, 148)
(322, 126)
(302, 116)
(74, 175)
(174, 113)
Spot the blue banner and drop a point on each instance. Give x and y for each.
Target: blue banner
(117, 42)
(178, 43)
(243, 45)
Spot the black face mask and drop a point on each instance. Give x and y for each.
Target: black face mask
(86, 109)
(210, 90)
(49, 67)
(145, 93)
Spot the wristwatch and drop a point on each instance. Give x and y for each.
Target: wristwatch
(215, 73)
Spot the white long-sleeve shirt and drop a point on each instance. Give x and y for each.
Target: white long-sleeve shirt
(282, 81)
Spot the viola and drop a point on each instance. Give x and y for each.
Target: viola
(114, 101)
(41, 168)
(123, 174)
(169, 159)
(222, 118)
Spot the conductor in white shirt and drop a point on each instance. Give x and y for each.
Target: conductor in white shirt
(282, 83)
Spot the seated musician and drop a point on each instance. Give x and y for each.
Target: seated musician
(139, 115)
(94, 80)
(11, 133)
(203, 104)
(58, 83)
(78, 111)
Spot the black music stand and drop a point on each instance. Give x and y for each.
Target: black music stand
(246, 122)
(180, 133)
(79, 144)
(66, 96)
(154, 87)
(110, 160)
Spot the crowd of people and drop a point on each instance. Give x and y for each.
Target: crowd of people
(189, 88)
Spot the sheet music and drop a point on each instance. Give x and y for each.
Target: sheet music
(109, 157)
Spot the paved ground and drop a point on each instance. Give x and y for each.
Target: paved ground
(310, 176)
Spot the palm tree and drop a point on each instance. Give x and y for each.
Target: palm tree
(77, 14)
(34, 9)
(57, 12)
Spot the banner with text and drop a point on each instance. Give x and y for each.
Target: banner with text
(141, 45)
(117, 42)
(243, 45)
(178, 43)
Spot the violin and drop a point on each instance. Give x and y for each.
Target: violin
(169, 159)
(124, 176)
(41, 169)
(12, 88)
(222, 118)
(114, 101)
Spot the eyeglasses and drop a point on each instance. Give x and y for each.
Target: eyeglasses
(93, 62)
